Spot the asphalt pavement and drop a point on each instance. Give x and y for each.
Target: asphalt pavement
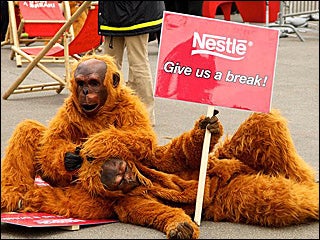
(295, 93)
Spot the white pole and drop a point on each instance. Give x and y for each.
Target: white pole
(203, 170)
(267, 13)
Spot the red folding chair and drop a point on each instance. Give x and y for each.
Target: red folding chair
(86, 40)
(38, 21)
(41, 18)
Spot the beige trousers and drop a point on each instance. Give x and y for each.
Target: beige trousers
(140, 77)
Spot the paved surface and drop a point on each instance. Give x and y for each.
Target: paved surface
(296, 94)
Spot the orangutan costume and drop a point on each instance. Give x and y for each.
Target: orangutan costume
(253, 177)
(79, 22)
(100, 111)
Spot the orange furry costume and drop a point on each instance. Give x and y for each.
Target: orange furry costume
(120, 128)
(254, 177)
(78, 23)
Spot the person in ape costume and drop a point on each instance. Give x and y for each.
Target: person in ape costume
(254, 176)
(100, 112)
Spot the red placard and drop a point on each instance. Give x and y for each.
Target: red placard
(41, 219)
(216, 62)
(47, 220)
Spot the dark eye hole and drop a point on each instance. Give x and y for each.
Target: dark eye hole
(94, 83)
(80, 83)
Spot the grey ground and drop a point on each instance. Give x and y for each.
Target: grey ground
(295, 93)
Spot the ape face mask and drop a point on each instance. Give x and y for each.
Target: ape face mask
(90, 90)
(116, 174)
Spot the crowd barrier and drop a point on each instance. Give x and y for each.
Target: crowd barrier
(295, 8)
(298, 8)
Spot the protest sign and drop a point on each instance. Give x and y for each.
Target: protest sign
(216, 62)
(41, 219)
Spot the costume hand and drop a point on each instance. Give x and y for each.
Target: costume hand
(211, 123)
(182, 231)
(72, 161)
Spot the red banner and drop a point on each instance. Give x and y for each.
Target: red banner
(216, 62)
(47, 220)
(41, 219)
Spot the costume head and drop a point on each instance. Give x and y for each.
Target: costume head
(111, 177)
(95, 84)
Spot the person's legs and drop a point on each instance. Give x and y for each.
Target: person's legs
(140, 77)
(18, 166)
(263, 142)
(114, 46)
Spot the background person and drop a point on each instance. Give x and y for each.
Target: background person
(127, 24)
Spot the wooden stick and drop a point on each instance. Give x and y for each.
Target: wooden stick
(203, 170)
(71, 228)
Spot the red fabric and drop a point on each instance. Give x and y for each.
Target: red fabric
(255, 11)
(41, 11)
(250, 11)
(86, 40)
(209, 8)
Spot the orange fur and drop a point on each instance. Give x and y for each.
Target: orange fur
(121, 127)
(267, 185)
(253, 177)
(79, 22)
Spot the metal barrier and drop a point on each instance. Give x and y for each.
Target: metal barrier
(295, 8)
